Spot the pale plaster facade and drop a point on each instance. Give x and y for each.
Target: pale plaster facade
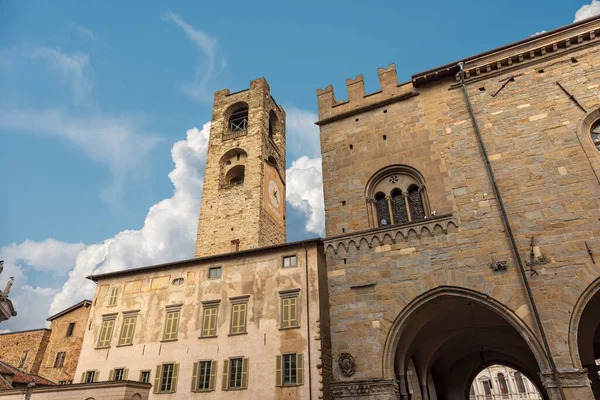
(94, 391)
(488, 385)
(258, 274)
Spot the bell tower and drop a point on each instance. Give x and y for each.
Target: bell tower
(243, 200)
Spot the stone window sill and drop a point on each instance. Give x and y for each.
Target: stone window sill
(237, 334)
(125, 345)
(289, 327)
(165, 341)
(101, 347)
(208, 337)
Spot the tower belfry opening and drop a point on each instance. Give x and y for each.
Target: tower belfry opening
(244, 181)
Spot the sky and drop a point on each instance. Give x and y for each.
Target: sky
(105, 112)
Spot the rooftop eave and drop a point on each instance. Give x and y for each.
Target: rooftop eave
(543, 45)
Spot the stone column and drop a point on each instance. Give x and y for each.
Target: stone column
(575, 383)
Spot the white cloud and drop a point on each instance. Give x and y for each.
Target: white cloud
(119, 142)
(199, 89)
(302, 133)
(304, 191)
(588, 11)
(83, 31)
(48, 255)
(168, 234)
(73, 68)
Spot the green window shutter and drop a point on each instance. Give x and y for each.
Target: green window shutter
(83, 377)
(285, 315)
(278, 371)
(174, 381)
(294, 311)
(244, 373)
(111, 375)
(243, 318)
(125, 373)
(195, 377)
(225, 374)
(213, 375)
(300, 369)
(96, 375)
(156, 387)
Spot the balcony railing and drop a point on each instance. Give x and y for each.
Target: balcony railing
(506, 396)
(235, 134)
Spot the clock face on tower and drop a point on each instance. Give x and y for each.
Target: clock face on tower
(274, 194)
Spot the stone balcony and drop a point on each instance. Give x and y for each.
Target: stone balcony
(235, 134)
(389, 235)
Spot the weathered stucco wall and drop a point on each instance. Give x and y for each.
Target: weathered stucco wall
(93, 391)
(256, 274)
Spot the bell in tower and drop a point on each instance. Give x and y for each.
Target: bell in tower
(243, 200)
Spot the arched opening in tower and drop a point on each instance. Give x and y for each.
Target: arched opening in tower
(235, 176)
(447, 341)
(588, 341)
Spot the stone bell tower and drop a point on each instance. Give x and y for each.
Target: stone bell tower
(243, 200)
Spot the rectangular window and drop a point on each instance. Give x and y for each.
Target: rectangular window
(89, 377)
(118, 374)
(59, 361)
(204, 376)
(171, 325)
(70, 329)
(165, 380)
(289, 261)
(112, 300)
(289, 370)
(23, 358)
(209, 322)
(65, 382)
(235, 374)
(289, 312)
(145, 376)
(214, 273)
(127, 330)
(238, 319)
(106, 332)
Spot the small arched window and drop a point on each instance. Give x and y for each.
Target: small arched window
(520, 382)
(235, 176)
(273, 124)
(238, 117)
(596, 134)
(502, 384)
(415, 200)
(383, 210)
(397, 195)
(177, 282)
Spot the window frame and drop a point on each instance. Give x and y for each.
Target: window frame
(243, 371)
(209, 377)
(286, 296)
(236, 302)
(59, 360)
(280, 370)
(172, 336)
(142, 372)
(158, 378)
(220, 274)
(113, 296)
(70, 329)
(104, 344)
(206, 306)
(123, 372)
(289, 257)
(127, 341)
(23, 358)
(94, 376)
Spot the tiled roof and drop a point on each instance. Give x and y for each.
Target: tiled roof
(4, 385)
(22, 376)
(68, 310)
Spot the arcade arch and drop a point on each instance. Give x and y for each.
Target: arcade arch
(446, 336)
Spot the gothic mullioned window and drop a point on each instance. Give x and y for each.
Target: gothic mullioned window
(596, 134)
(396, 195)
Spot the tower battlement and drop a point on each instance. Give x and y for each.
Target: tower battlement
(390, 90)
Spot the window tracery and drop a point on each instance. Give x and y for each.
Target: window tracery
(396, 195)
(595, 132)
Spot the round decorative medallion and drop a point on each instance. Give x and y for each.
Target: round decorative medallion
(393, 178)
(347, 364)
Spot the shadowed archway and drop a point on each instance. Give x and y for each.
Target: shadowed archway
(447, 335)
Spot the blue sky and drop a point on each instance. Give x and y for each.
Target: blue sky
(95, 96)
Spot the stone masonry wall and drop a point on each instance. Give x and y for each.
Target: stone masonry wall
(12, 346)
(70, 345)
(543, 171)
(238, 209)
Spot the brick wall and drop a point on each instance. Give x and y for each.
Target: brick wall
(12, 346)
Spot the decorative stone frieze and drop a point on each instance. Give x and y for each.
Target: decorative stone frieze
(573, 378)
(375, 388)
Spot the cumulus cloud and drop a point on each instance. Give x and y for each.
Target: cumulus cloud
(588, 11)
(304, 191)
(205, 73)
(119, 142)
(47, 255)
(168, 234)
(302, 133)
